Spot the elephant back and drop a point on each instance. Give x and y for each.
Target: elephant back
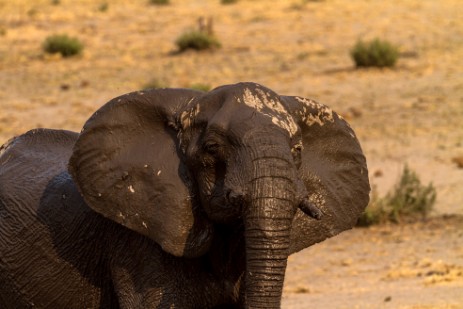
(30, 161)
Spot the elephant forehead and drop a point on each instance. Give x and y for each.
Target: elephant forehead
(269, 106)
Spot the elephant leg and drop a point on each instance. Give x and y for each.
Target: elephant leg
(137, 272)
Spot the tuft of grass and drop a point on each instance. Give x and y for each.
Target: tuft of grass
(301, 4)
(200, 87)
(63, 44)
(159, 2)
(302, 290)
(154, 84)
(55, 2)
(228, 1)
(32, 12)
(409, 199)
(374, 53)
(197, 40)
(103, 7)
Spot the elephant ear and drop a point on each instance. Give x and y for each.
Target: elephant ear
(334, 172)
(128, 168)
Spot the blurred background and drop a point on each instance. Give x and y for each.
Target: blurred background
(393, 69)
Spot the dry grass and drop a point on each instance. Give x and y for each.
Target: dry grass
(307, 52)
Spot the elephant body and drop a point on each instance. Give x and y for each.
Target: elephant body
(174, 199)
(93, 261)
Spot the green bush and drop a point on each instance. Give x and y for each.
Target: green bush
(197, 40)
(409, 199)
(159, 2)
(228, 1)
(375, 53)
(63, 44)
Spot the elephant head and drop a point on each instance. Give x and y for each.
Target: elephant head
(172, 163)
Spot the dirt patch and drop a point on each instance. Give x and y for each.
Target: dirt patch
(411, 114)
(417, 265)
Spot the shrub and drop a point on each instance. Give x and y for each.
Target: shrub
(154, 84)
(375, 212)
(63, 44)
(103, 7)
(201, 87)
(197, 40)
(375, 53)
(159, 2)
(408, 199)
(301, 4)
(228, 1)
(32, 12)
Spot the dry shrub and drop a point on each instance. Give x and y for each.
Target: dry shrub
(201, 39)
(103, 7)
(159, 2)
(196, 40)
(63, 44)
(409, 199)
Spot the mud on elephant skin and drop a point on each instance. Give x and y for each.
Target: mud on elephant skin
(174, 197)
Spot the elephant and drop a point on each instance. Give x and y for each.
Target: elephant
(175, 198)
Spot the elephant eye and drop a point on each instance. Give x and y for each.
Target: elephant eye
(212, 148)
(213, 153)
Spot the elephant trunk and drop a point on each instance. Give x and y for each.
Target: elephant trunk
(267, 230)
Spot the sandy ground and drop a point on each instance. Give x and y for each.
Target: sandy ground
(407, 115)
(409, 266)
